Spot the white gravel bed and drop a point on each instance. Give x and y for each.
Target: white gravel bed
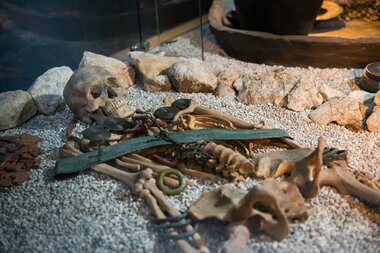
(94, 213)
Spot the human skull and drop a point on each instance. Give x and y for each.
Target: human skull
(93, 94)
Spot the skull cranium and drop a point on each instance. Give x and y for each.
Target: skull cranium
(93, 94)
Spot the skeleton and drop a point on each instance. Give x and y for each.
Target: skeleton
(143, 184)
(93, 94)
(268, 207)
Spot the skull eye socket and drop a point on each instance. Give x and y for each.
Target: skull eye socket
(96, 92)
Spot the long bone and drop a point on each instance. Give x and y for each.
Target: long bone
(143, 185)
(306, 170)
(195, 109)
(338, 176)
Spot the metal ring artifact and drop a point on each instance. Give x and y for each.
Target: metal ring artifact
(166, 189)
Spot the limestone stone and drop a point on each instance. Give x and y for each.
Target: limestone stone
(216, 67)
(329, 93)
(157, 83)
(151, 65)
(345, 111)
(47, 90)
(122, 71)
(303, 96)
(268, 88)
(366, 101)
(228, 76)
(192, 76)
(373, 121)
(224, 91)
(16, 107)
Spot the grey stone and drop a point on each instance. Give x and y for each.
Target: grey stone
(344, 111)
(366, 101)
(157, 83)
(269, 88)
(151, 65)
(192, 76)
(373, 121)
(16, 107)
(224, 91)
(47, 90)
(303, 96)
(122, 71)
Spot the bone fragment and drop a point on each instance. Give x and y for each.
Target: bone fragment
(239, 236)
(338, 176)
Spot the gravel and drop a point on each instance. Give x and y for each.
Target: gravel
(94, 213)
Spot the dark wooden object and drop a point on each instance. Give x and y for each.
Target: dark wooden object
(292, 50)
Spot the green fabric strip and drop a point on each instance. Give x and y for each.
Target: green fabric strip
(77, 163)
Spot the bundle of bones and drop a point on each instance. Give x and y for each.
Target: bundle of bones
(290, 176)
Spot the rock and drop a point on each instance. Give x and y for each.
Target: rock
(151, 65)
(303, 96)
(16, 107)
(224, 91)
(268, 88)
(192, 76)
(373, 121)
(329, 93)
(47, 90)
(122, 71)
(345, 111)
(216, 67)
(228, 76)
(158, 83)
(365, 99)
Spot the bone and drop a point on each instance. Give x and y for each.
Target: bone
(338, 176)
(172, 182)
(164, 202)
(306, 172)
(367, 180)
(144, 186)
(259, 209)
(238, 238)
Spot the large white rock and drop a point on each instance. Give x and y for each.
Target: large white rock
(16, 107)
(373, 121)
(345, 111)
(157, 83)
(122, 71)
(151, 65)
(47, 90)
(304, 95)
(192, 76)
(268, 88)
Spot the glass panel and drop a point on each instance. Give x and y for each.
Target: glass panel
(36, 35)
(172, 19)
